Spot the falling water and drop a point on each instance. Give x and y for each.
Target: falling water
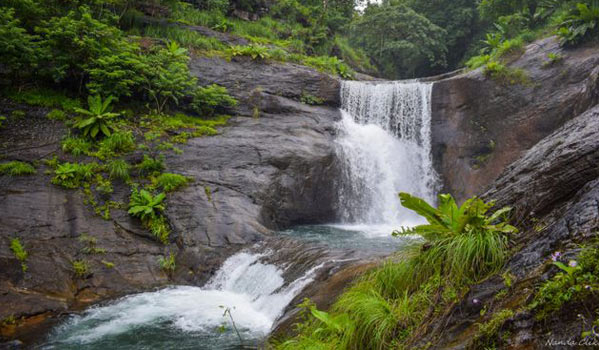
(385, 146)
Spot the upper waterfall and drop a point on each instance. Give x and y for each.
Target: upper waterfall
(384, 144)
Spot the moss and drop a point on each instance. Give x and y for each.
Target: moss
(80, 268)
(488, 331)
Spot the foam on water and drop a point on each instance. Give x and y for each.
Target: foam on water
(255, 293)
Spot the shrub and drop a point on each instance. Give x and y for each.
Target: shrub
(118, 168)
(167, 77)
(478, 61)
(146, 206)
(211, 99)
(71, 175)
(19, 251)
(97, 118)
(19, 51)
(170, 182)
(581, 24)
(151, 165)
(16, 168)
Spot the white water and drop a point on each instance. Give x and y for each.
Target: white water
(385, 146)
(255, 293)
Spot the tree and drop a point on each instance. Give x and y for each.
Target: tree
(166, 77)
(19, 51)
(403, 43)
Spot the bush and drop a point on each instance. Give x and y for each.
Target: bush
(211, 99)
(50, 98)
(19, 251)
(19, 51)
(170, 182)
(16, 168)
(167, 77)
(581, 24)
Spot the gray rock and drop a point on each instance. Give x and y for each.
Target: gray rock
(480, 126)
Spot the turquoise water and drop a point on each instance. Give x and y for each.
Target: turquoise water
(364, 240)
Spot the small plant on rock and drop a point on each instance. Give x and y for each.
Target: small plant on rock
(146, 206)
(170, 182)
(96, 119)
(118, 168)
(16, 168)
(80, 268)
(19, 251)
(167, 263)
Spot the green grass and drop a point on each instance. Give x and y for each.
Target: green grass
(506, 75)
(119, 169)
(43, 97)
(16, 168)
(185, 37)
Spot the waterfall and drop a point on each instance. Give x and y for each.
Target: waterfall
(255, 293)
(384, 145)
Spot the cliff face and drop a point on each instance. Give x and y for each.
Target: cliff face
(271, 167)
(480, 126)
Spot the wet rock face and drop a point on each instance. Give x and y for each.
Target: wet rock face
(264, 171)
(554, 191)
(480, 126)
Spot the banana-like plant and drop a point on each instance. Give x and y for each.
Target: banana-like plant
(449, 220)
(97, 117)
(467, 242)
(146, 206)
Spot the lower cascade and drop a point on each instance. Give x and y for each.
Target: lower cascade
(384, 145)
(254, 293)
